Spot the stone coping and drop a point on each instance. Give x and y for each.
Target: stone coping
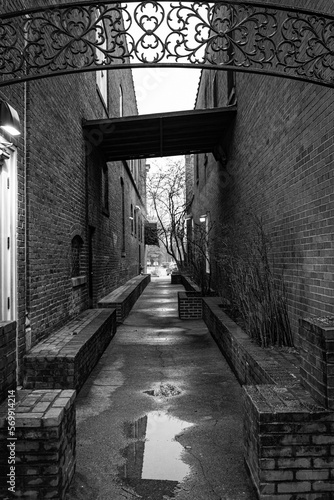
(123, 291)
(38, 408)
(66, 358)
(69, 339)
(125, 296)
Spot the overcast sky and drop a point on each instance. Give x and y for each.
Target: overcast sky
(165, 89)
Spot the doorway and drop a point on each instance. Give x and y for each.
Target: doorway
(8, 223)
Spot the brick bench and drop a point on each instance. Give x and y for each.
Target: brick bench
(65, 359)
(125, 296)
(38, 460)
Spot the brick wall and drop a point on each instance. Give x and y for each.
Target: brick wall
(60, 196)
(280, 167)
(7, 357)
(190, 305)
(317, 358)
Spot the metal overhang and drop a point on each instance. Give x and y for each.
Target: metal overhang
(161, 134)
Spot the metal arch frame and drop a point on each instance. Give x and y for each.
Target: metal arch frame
(233, 35)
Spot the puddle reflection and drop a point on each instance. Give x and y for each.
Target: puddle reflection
(153, 462)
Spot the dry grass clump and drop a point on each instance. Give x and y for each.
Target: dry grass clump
(253, 290)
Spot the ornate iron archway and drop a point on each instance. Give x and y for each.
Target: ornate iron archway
(242, 36)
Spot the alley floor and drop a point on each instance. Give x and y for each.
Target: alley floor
(160, 417)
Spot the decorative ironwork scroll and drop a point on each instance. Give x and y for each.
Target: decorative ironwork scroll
(86, 36)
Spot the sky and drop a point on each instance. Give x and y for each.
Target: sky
(165, 89)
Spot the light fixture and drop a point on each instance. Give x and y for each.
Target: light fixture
(137, 207)
(188, 217)
(202, 218)
(9, 119)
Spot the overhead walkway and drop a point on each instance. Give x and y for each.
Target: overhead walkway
(160, 134)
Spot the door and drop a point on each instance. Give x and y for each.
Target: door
(8, 222)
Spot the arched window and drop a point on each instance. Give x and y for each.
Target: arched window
(77, 244)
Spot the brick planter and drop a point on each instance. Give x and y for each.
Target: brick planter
(44, 447)
(288, 444)
(288, 423)
(190, 305)
(316, 337)
(176, 279)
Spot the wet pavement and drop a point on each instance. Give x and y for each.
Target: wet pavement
(160, 417)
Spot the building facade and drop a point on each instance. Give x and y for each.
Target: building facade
(72, 224)
(275, 161)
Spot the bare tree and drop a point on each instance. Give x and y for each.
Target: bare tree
(166, 196)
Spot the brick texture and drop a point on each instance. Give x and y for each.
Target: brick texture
(65, 359)
(280, 153)
(124, 297)
(7, 357)
(286, 447)
(288, 432)
(45, 445)
(317, 358)
(60, 195)
(190, 305)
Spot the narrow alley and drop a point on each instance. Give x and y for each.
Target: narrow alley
(160, 417)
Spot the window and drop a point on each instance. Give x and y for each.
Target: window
(135, 221)
(120, 101)
(131, 217)
(105, 190)
(101, 75)
(123, 216)
(215, 90)
(76, 256)
(140, 228)
(197, 169)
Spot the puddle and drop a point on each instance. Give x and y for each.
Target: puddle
(154, 466)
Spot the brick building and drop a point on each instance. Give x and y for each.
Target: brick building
(71, 222)
(276, 161)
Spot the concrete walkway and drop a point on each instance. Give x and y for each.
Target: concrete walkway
(160, 416)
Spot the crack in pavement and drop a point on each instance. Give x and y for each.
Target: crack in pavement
(202, 468)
